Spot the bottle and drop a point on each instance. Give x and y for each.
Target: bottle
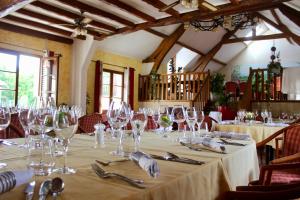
(99, 135)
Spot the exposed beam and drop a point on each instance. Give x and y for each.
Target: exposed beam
(130, 9)
(228, 9)
(274, 14)
(159, 5)
(235, 2)
(157, 33)
(9, 6)
(159, 54)
(30, 32)
(52, 20)
(256, 38)
(38, 25)
(97, 11)
(204, 60)
(283, 29)
(71, 15)
(290, 13)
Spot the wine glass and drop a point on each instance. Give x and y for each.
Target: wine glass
(177, 114)
(118, 116)
(65, 124)
(4, 122)
(138, 122)
(199, 120)
(164, 119)
(24, 121)
(191, 119)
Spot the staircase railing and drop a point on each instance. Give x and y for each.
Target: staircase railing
(203, 95)
(177, 86)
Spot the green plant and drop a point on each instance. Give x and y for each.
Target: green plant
(217, 90)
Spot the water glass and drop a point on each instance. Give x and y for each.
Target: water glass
(138, 122)
(4, 122)
(191, 119)
(40, 156)
(164, 119)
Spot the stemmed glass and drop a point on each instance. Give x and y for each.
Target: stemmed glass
(200, 122)
(65, 122)
(164, 119)
(25, 122)
(178, 116)
(118, 116)
(191, 119)
(138, 122)
(4, 122)
(265, 115)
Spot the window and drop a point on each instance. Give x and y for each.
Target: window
(19, 77)
(112, 88)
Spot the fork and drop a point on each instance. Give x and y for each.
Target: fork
(109, 162)
(103, 174)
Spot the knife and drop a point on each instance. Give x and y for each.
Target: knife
(232, 143)
(181, 160)
(29, 190)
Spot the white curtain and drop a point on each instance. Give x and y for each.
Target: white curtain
(126, 84)
(291, 82)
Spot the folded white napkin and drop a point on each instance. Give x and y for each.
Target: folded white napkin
(209, 144)
(146, 162)
(23, 176)
(231, 135)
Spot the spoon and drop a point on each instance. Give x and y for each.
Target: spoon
(44, 189)
(57, 186)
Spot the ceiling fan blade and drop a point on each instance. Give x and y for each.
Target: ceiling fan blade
(169, 6)
(74, 34)
(86, 20)
(209, 6)
(98, 30)
(69, 25)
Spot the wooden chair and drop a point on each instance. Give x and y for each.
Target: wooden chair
(270, 192)
(231, 89)
(268, 187)
(87, 122)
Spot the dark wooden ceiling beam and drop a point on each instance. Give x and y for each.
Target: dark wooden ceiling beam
(278, 21)
(30, 32)
(290, 13)
(228, 9)
(157, 33)
(256, 38)
(130, 9)
(235, 2)
(164, 47)
(204, 60)
(159, 5)
(71, 15)
(38, 25)
(283, 29)
(96, 11)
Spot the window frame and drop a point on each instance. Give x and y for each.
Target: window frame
(18, 54)
(111, 84)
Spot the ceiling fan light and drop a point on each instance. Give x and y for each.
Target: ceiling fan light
(189, 3)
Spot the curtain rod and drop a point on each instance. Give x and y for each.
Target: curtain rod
(39, 50)
(111, 64)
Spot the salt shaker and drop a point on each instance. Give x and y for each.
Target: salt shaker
(99, 135)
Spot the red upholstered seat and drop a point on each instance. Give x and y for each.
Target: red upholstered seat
(231, 89)
(291, 140)
(87, 122)
(287, 176)
(151, 124)
(242, 88)
(14, 130)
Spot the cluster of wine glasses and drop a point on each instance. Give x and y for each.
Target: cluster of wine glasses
(241, 114)
(5, 118)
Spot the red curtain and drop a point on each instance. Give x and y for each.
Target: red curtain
(98, 86)
(131, 87)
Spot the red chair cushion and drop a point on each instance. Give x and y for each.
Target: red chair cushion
(87, 122)
(291, 141)
(287, 176)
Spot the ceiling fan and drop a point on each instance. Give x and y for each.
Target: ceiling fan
(81, 27)
(201, 3)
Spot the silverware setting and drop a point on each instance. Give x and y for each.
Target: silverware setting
(196, 147)
(29, 190)
(231, 143)
(110, 162)
(103, 174)
(53, 187)
(172, 157)
(8, 143)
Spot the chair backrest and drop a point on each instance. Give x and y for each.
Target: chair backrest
(87, 122)
(231, 87)
(242, 87)
(291, 144)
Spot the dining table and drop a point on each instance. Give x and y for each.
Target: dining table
(258, 130)
(220, 172)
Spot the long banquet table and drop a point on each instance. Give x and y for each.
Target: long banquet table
(220, 173)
